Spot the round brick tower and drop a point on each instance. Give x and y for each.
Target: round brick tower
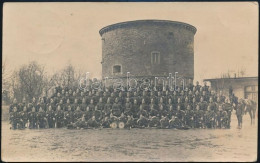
(148, 49)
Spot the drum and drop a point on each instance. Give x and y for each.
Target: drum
(113, 125)
(121, 125)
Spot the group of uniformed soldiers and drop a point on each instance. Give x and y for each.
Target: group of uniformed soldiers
(195, 107)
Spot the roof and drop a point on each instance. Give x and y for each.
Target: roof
(149, 21)
(239, 78)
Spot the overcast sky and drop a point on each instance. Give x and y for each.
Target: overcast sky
(55, 34)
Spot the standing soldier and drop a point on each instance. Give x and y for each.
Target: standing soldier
(59, 116)
(33, 119)
(41, 118)
(14, 118)
(189, 116)
(240, 112)
(135, 109)
(228, 108)
(210, 118)
(50, 115)
(24, 117)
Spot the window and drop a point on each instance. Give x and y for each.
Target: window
(155, 57)
(251, 92)
(117, 69)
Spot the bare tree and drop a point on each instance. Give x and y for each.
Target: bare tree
(28, 81)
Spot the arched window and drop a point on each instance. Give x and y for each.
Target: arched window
(155, 57)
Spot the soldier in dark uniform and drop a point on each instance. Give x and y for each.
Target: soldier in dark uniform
(50, 115)
(137, 98)
(197, 96)
(130, 122)
(205, 87)
(89, 113)
(106, 122)
(100, 105)
(78, 113)
(194, 104)
(154, 121)
(142, 121)
(144, 105)
(59, 117)
(14, 104)
(53, 106)
(98, 114)
(175, 122)
(107, 108)
(225, 120)
(189, 117)
(210, 118)
(92, 123)
(14, 118)
(41, 118)
(205, 96)
(121, 100)
(74, 105)
(186, 103)
(240, 112)
(88, 97)
(197, 87)
(24, 117)
(32, 119)
(128, 107)
(175, 99)
(164, 122)
(91, 106)
(190, 97)
(21, 105)
(153, 111)
(122, 118)
(162, 111)
(83, 105)
(142, 112)
(228, 108)
(202, 104)
(135, 109)
(116, 108)
(152, 96)
(61, 104)
(212, 105)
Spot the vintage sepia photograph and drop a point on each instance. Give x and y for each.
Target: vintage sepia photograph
(130, 81)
